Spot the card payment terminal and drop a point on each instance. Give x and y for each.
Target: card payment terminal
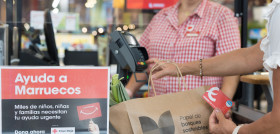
(129, 54)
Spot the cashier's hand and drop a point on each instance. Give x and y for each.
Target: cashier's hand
(151, 63)
(218, 124)
(165, 68)
(93, 128)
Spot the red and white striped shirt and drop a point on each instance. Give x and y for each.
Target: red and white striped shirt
(211, 30)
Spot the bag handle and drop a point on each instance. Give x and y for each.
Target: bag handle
(179, 74)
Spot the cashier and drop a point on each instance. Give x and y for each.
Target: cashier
(188, 31)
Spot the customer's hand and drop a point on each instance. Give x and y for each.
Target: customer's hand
(93, 128)
(218, 124)
(228, 114)
(165, 68)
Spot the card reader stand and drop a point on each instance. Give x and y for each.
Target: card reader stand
(129, 54)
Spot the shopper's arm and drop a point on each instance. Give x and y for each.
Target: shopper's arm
(269, 124)
(241, 61)
(229, 85)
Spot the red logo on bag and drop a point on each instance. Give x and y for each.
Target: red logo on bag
(89, 111)
(217, 99)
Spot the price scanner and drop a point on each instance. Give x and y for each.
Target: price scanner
(129, 54)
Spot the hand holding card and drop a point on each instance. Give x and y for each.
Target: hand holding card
(217, 99)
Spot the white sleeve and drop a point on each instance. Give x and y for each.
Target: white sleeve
(273, 59)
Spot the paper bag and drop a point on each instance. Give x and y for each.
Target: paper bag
(178, 113)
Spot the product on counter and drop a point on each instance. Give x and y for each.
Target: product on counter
(118, 93)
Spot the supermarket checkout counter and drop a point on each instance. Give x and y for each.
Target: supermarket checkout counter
(261, 79)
